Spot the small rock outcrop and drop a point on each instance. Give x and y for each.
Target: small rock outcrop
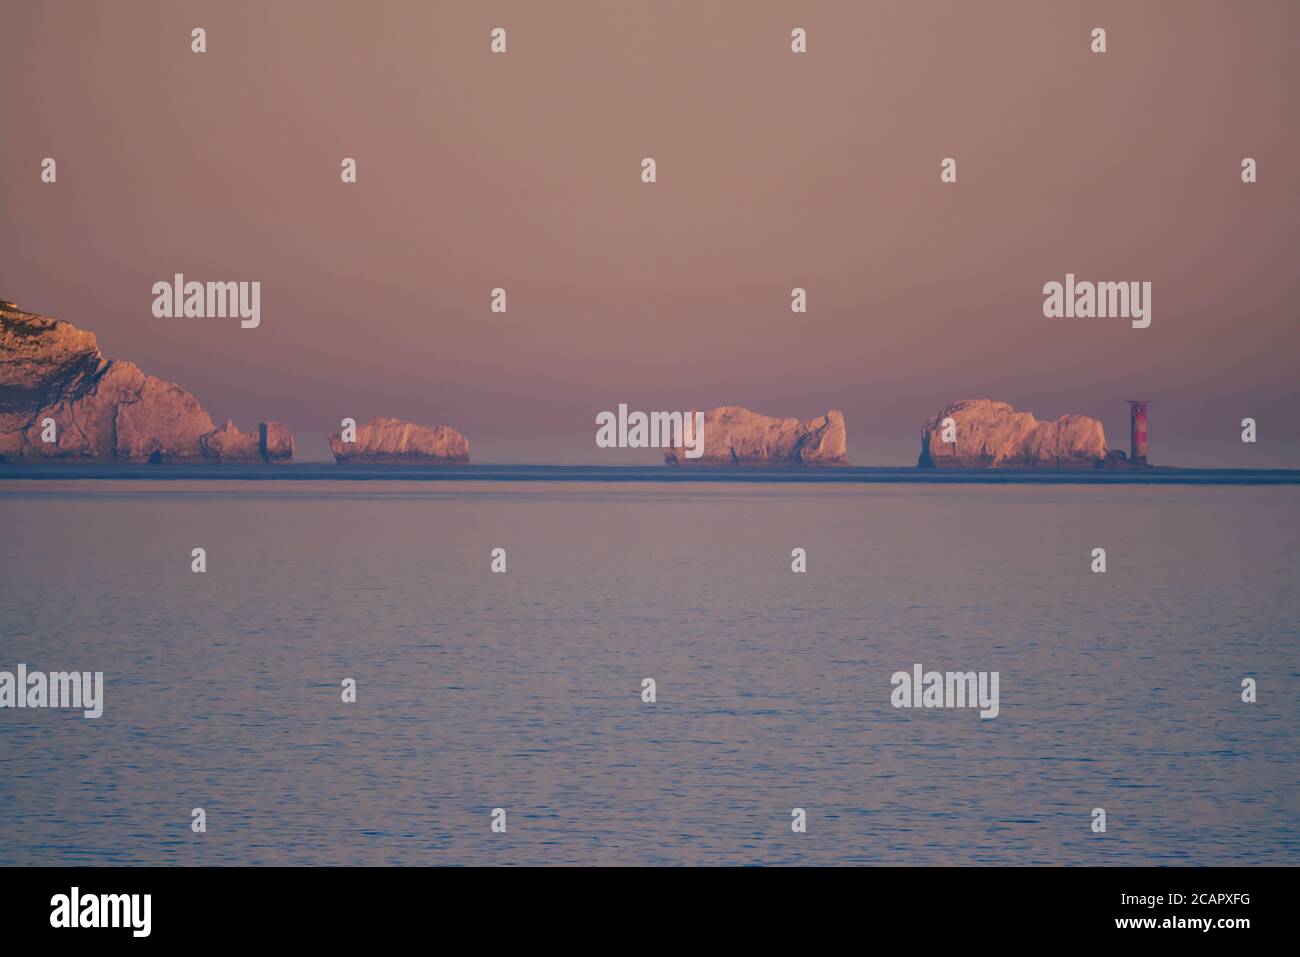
(394, 442)
(737, 436)
(990, 434)
(105, 409)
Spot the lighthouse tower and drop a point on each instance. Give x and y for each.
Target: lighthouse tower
(1138, 431)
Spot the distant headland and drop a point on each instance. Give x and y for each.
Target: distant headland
(62, 401)
(60, 398)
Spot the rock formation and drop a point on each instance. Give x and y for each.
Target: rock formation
(105, 409)
(737, 436)
(395, 442)
(994, 434)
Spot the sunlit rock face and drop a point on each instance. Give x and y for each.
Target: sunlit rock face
(989, 434)
(394, 442)
(737, 436)
(106, 409)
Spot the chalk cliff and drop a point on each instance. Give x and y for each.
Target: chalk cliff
(737, 436)
(105, 409)
(393, 441)
(994, 434)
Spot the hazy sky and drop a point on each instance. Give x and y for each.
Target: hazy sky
(775, 170)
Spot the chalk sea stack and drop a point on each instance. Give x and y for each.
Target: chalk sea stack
(106, 409)
(737, 436)
(991, 434)
(394, 442)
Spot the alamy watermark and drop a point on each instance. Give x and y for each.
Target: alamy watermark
(946, 689)
(653, 430)
(76, 909)
(1099, 300)
(58, 689)
(214, 300)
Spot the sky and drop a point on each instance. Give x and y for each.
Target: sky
(775, 170)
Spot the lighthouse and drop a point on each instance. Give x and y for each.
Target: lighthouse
(1138, 431)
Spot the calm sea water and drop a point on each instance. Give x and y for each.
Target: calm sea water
(522, 691)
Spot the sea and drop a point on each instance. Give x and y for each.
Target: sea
(517, 697)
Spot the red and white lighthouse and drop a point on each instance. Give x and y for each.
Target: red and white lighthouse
(1138, 431)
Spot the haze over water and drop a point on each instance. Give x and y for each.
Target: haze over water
(522, 690)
